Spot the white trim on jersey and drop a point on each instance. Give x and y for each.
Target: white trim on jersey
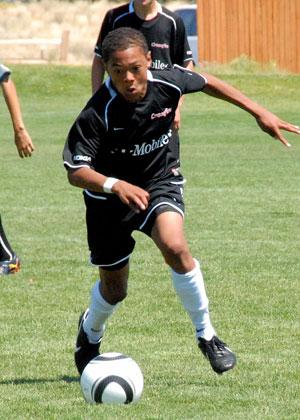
(158, 205)
(190, 71)
(169, 17)
(130, 10)
(113, 94)
(152, 79)
(98, 197)
(4, 72)
(75, 166)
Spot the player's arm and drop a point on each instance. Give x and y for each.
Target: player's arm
(266, 120)
(22, 138)
(135, 197)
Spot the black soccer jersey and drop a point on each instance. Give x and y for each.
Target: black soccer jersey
(165, 34)
(132, 141)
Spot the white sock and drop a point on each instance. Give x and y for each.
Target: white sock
(191, 291)
(99, 312)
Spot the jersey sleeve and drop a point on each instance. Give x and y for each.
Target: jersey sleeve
(188, 81)
(183, 53)
(106, 27)
(83, 141)
(4, 73)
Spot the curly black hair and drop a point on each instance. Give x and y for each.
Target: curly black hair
(122, 39)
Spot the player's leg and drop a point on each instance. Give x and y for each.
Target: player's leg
(187, 278)
(9, 262)
(110, 245)
(168, 234)
(106, 295)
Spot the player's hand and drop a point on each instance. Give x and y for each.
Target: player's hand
(273, 125)
(135, 197)
(176, 122)
(23, 143)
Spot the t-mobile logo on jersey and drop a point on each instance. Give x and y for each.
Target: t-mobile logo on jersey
(158, 65)
(145, 148)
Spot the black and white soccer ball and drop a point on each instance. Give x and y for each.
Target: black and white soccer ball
(112, 378)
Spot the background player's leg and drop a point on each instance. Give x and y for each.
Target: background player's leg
(6, 252)
(9, 262)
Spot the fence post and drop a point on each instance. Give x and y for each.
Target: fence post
(64, 46)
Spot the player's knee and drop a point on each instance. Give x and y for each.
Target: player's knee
(175, 252)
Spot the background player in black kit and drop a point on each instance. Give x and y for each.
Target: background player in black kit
(120, 150)
(164, 32)
(9, 262)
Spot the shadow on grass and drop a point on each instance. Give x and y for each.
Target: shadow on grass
(22, 381)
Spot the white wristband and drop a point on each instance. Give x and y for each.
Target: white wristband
(108, 184)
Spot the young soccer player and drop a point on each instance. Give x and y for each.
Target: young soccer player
(121, 150)
(9, 262)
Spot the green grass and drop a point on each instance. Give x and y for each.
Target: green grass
(242, 221)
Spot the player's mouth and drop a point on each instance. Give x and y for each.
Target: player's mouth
(132, 94)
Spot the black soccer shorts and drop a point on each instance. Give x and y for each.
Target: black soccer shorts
(110, 222)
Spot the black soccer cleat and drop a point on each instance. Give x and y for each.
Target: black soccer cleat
(219, 355)
(11, 266)
(84, 350)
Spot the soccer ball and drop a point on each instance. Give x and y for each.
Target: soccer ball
(112, 378)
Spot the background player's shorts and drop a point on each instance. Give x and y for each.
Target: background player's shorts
(110, 222)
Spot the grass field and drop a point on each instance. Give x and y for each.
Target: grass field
(242, 221)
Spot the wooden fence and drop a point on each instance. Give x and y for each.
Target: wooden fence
(42, 44)
(264, 30)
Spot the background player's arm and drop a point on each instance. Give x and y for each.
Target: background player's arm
(176, 123)
(135, 197)
(266, 120)
(22, 139)
(98, 71)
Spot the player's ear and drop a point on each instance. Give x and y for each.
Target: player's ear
(149, 59)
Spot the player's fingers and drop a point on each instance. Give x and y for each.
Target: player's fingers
(281, 138)
(140, 204)
(20, 152)
(26, 152)
(290, 127)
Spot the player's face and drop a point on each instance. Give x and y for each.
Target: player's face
(128, 71)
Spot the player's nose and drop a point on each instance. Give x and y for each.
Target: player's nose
(129, 76)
